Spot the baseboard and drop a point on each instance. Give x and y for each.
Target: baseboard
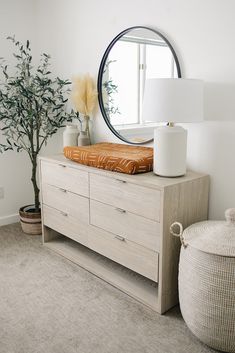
(13, 218)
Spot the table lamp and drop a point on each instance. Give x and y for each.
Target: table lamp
(172, 100)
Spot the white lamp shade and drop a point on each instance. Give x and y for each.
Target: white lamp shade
(173, 100)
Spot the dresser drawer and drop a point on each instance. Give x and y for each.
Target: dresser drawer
(125, 252)
(65, 177)
(130, 197)
(139, 229)
(75, 205)
(65, 224)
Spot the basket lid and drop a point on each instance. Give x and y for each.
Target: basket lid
(214, 237)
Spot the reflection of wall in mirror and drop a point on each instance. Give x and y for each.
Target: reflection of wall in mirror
(124, 74)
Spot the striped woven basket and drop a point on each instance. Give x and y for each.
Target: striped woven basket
(30, 221)
(207, 280)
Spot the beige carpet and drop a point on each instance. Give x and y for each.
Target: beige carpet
(50, 305)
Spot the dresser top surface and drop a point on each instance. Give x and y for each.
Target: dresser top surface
(149, 179)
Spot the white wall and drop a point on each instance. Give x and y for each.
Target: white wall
(76, 33)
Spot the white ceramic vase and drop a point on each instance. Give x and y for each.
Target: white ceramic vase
(70, 136)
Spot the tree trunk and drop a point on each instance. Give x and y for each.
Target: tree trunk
(35, 186)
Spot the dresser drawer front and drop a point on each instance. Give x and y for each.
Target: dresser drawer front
(125, 252)
(130, 197)
(65, 224)
(65, 177)
(139, 229)
(75, 205)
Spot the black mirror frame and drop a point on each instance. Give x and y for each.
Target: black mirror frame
(100, 76)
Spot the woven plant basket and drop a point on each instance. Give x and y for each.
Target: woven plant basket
(30, 220)
(207, 280)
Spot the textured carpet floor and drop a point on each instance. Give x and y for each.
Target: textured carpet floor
(50, 305)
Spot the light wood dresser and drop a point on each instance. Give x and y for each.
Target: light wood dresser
(117, 226)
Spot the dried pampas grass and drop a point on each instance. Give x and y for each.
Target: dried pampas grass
(84, 94)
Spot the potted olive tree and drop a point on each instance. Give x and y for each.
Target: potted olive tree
(32, 109)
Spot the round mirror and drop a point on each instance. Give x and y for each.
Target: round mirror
(134, 55)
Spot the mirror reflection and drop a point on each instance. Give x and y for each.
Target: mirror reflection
(135, 55)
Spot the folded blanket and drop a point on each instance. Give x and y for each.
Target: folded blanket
(113, 156)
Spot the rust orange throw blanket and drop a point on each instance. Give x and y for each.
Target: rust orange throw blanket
(113, 156)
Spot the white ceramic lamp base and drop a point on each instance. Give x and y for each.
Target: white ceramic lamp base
(170, 149)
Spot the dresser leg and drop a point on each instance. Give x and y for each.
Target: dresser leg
(49, 234)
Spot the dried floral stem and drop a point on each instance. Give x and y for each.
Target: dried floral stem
(84, 97)
(87, 128)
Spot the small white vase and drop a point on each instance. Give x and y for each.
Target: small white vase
(70, 136)
(83, 139)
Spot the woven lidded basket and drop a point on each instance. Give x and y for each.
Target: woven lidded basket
(207, 280)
